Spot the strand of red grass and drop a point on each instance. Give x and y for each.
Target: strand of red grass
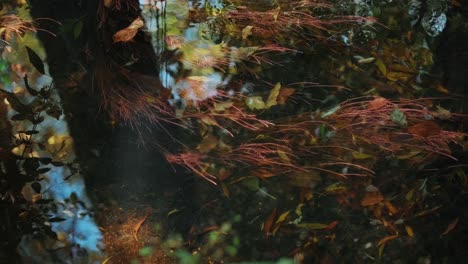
(191, 161)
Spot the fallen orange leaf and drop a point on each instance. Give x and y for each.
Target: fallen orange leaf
(140, 223)
(371, 198)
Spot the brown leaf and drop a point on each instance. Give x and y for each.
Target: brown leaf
(284, 94)
(128, 33)
(450, 227)
(371, 198)
(425, 129)
(208, 143)
(332, 225)
(391, 209)
(138, 225)
(378, 103)
(268, 224)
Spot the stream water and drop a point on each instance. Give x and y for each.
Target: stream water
(218, 132)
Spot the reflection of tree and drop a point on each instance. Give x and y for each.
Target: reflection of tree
(227, 130)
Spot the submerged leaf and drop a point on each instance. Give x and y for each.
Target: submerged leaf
(381, 66)
(271, 101)
(372, 198)
(359, 155)
(425, 129)
(284, 94)
(451, 226)
(255, 103)
(208, 143)
(399, 117)
(377, 103)
(268, 224)
(313, 226)
(409, 231)
(246, 32)
(384, 240)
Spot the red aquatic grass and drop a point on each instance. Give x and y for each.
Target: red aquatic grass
(133, 98)
(193, 161)
(370, 121)
(289, 17)
(232, 118)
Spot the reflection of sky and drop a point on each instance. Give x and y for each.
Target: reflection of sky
(79, 227)
(210, 81)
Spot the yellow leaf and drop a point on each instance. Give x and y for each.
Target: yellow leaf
(107, 259)
(218, 107)
(313, 226)
(208, 143)
(225, 189)
(280, 220)
(298, 210)
(255, 103)
(173, 212)
(381, 66)
(271, 101)
(246, 32)
(442, 89)
(409, 155)
(336, 188)
(359, 155)
(409, 195)
(409, 231)
(208, 120)
(282, 217)
(284, 157)
(366, 60)
(398, 76)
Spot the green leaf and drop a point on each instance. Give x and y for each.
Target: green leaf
(313, 226)
(35, 60)
(77, 29)
(145, 252)
(399, 117)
